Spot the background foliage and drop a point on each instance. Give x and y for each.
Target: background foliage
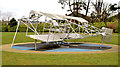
(22, 27)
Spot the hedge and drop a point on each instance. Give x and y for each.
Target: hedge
(112, 25)
(22, 27)
(4, 28)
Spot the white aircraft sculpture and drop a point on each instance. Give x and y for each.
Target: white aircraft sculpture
(61, 28)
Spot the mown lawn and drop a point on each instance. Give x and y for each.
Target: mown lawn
(7, 38)
(11, 58)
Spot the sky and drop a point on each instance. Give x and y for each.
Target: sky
(21, 8)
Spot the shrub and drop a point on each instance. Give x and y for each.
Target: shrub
(98, 24)
(4, 28)
(12, 22)
(117, 27)
(111, 25)
(12, 29)
(22, 28)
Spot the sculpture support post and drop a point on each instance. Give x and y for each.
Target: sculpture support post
(102, 42)
(35, 44)
(15, 34)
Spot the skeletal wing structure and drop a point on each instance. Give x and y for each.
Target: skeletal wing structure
(61, 28)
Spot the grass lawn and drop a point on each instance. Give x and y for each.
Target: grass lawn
(7, 38)
(11, 58)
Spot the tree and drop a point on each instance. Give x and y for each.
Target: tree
(93, 17)
(7, 15)
(0, 15)
(102, 11)
(12, 22)
(75, 6)
(87, 7)
(98, 8)
(113, 8)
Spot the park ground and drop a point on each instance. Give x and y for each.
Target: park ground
(13, 58)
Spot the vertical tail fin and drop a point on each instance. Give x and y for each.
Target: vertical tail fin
(107, 34)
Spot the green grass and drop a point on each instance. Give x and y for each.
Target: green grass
(7, 38)
(97, 39)
(11, 58)
(115, 33)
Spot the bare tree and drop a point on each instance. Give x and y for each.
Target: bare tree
(7, 15)
(98, 8)
(106, 12)
(75, 6)
(102, 11)
(0, 15)
(88, 7)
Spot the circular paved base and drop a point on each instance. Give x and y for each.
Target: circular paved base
(8, 48)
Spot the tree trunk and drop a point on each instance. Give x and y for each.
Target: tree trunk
(87, 7)
(77, 8)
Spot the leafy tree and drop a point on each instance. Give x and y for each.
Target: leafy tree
(12, 22)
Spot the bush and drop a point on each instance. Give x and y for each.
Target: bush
(117, 27)
(12, 29)
(41, 25)
(4, 28)
(98, 24)
(12, 22)
(112, 25)
(22, 27)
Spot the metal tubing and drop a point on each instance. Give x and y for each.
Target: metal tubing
(31, 28)
(35, 44)
(15, 34)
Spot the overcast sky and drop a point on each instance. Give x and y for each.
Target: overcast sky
(22, 7)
